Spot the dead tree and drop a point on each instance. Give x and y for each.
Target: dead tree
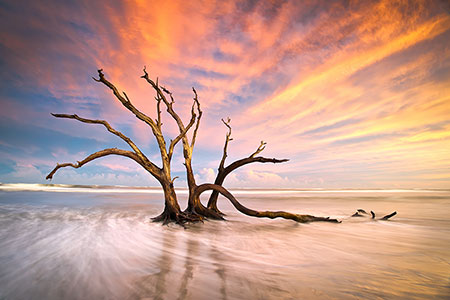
(194, 207)
(172, 213)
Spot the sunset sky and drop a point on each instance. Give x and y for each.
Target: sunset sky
(355, 93)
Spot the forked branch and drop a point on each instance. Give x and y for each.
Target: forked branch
(125, 100)
(224, 171)
(98, 154)
(160, 92)
(261, 147)
(181, 135)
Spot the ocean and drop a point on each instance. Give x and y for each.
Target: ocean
(79, 242)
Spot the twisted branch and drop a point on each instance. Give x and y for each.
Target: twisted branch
(260, 214)
(98, 154)
(224, 171)
(152, 167)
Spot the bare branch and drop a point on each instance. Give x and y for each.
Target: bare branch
(98, 154)
(158, 111)
(160, 90)
(260, 214)
(200, 113)
(180, 136)
(141, 116)
(154, 169)
(125, 100)
(220, 178)
(173, 179)
(261, 147)
(227, 140)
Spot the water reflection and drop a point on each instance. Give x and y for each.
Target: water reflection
(220, 270)
(192, 251)
(154, 285)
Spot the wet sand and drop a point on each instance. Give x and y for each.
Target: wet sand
(73, 244)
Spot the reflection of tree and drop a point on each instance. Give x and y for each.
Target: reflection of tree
(220, 270)
(154, 285)
(191, 251)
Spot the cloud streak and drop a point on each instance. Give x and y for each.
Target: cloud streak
(354, 93)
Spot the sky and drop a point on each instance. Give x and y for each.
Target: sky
(355, 93)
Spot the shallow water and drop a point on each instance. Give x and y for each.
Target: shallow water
(101, 245)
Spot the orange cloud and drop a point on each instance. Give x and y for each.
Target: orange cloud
(339, 88)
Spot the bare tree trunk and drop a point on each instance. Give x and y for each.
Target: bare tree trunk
(172, 211)
(195, 206)
(261, 214)
(212, 202)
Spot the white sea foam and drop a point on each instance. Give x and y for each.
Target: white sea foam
(156, 190)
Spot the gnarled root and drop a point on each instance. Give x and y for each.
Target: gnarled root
(178, 217)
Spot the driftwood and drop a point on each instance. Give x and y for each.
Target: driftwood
(360, 212)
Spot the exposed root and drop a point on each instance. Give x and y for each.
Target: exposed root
(180, 218)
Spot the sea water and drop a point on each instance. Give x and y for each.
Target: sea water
(72, 242)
